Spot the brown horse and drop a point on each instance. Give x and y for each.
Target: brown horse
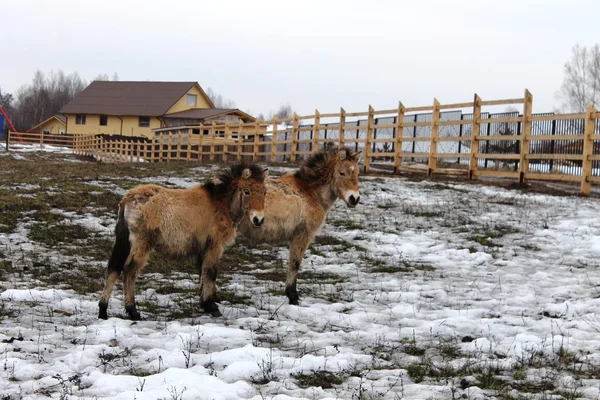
(297, 203)
(200, 221)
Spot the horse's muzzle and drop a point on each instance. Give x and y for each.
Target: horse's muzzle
(353, 201)
(257, 222)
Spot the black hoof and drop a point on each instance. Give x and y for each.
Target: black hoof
(292, 295)
(210, 307)
(133, 313)
(294, 302)
(102, 311)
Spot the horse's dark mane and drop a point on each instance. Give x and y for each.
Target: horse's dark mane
(221, 186)
(317, 168)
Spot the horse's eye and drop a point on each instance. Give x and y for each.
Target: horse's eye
(342, 173)
(246, 192)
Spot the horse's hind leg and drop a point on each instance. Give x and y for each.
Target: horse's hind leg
(130, 274)
(297, 249)
(118, 258)
(111, 276)
(210, 259)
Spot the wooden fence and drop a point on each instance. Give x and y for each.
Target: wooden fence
(41, 139)
(433, 139)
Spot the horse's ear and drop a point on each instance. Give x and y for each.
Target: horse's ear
(246, 173)
(342, 155)
(354, 156)
(266, 172)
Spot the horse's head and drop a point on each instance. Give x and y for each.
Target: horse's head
(345, 177)
(250, 195)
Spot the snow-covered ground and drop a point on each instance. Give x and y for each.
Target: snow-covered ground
(35, 148)
(425, 291)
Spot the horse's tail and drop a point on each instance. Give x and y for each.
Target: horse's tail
(122, 246)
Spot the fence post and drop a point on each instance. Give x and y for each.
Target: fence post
(435, 133)
(552, 145)
(342, 127)
(188, 154)
(274, 141)
(473, 163)
(213, 134)
(588, 149)
(460, 132)
(525, 137)
(169, 146)
(316, 131)
(240, 147)
(295, 138)
(200, 140)
(368, 150)
(8, 140)
(42, 140)
(256, 145)
(399, 134)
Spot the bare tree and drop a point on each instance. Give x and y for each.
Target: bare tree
(218, 99)
(581, 82)
(6, 100)
(284, 111)
(44, 97)
(104, 77)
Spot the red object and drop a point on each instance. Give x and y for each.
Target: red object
(10, 123)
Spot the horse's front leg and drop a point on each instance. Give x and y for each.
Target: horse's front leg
(208, 261)
(297, 249)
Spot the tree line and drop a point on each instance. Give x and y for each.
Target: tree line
(44, 97)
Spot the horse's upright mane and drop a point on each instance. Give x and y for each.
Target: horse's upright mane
(221, 186)
(318, 167)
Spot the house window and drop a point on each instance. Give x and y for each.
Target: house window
(191, 100)
(144, 122)
(104, 120)
(80, 119)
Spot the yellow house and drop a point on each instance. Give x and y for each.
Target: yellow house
(55, 125)
(133, 108)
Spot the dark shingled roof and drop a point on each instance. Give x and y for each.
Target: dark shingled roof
(151, 99)
(200, 113)
(205, 113)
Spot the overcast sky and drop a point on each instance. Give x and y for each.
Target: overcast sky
(313, 54)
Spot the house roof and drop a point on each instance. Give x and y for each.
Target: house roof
(151, 99)
(61, 118)
(205, 113)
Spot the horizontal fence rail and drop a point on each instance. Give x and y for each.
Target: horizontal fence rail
(458, 138)
(41, 139)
